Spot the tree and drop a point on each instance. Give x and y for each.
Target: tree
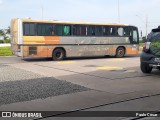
(8, 30)
(2, 34)
(5, 33)
(144, 39)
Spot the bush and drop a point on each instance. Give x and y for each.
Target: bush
(1, 41)
(7, 41)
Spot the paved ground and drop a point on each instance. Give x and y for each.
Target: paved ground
(88, 84)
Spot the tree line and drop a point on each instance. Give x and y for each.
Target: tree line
(5, 35)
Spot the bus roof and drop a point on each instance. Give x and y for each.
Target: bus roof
(67, 22)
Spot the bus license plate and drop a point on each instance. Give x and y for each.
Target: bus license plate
(157, 59)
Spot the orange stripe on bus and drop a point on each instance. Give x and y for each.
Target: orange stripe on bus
(52, 40)
(131, 51)
(41, 39)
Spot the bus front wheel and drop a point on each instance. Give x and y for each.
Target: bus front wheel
(58, 54)
(120, 52)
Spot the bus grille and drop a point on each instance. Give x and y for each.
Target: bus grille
(32, 50)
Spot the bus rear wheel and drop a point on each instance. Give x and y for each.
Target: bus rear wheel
(120, 52)
(58, 54)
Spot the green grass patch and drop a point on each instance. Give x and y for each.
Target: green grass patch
(5, 51)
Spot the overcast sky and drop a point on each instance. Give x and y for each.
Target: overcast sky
(132, 12)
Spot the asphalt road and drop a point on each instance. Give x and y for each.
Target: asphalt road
(78, 84)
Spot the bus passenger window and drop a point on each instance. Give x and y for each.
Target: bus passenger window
(66, 30)
(113, 31)
(76, 30)
(29, 29)
(26, 29)
(98, 31)
(83, 31)
(91, 31)
(59, 30)
(45, 29)
(106, 31)
(120, 31)
(48, 30)
(127, 32)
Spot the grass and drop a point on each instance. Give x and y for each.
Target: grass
(5, 51)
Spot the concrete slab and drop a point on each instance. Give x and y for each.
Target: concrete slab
(10, 60)
(117, 86)
(143, 104)
(45, 71)
(61, 103)
(75, 101)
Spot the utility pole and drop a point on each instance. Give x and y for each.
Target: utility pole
(146, 23)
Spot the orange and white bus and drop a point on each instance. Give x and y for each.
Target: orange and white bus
(57, 40)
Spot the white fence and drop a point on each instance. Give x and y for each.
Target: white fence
(5, 45)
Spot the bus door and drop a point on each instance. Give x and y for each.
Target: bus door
(134, 39)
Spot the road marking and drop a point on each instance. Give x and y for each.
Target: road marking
(66, 62)
(110, 68)
(117, 59)
(130, 71)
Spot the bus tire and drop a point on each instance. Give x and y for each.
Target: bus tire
(58, 54)
(120, 52)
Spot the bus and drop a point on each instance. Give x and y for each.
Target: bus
(59, 40)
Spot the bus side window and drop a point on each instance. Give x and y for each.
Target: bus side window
(49, 30)
(45, 29)
(83, 30)
(26, 29)
(109, 31)
(106, 31)
(113, 31)
(98, 31)
(76, 30)
(120, 31)
(59, 30)
(91, 31)
(29, 29)
(39, 29)
(66, 30)
(127, 32)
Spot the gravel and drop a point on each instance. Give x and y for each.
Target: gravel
(18, 85)
(8, 73)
